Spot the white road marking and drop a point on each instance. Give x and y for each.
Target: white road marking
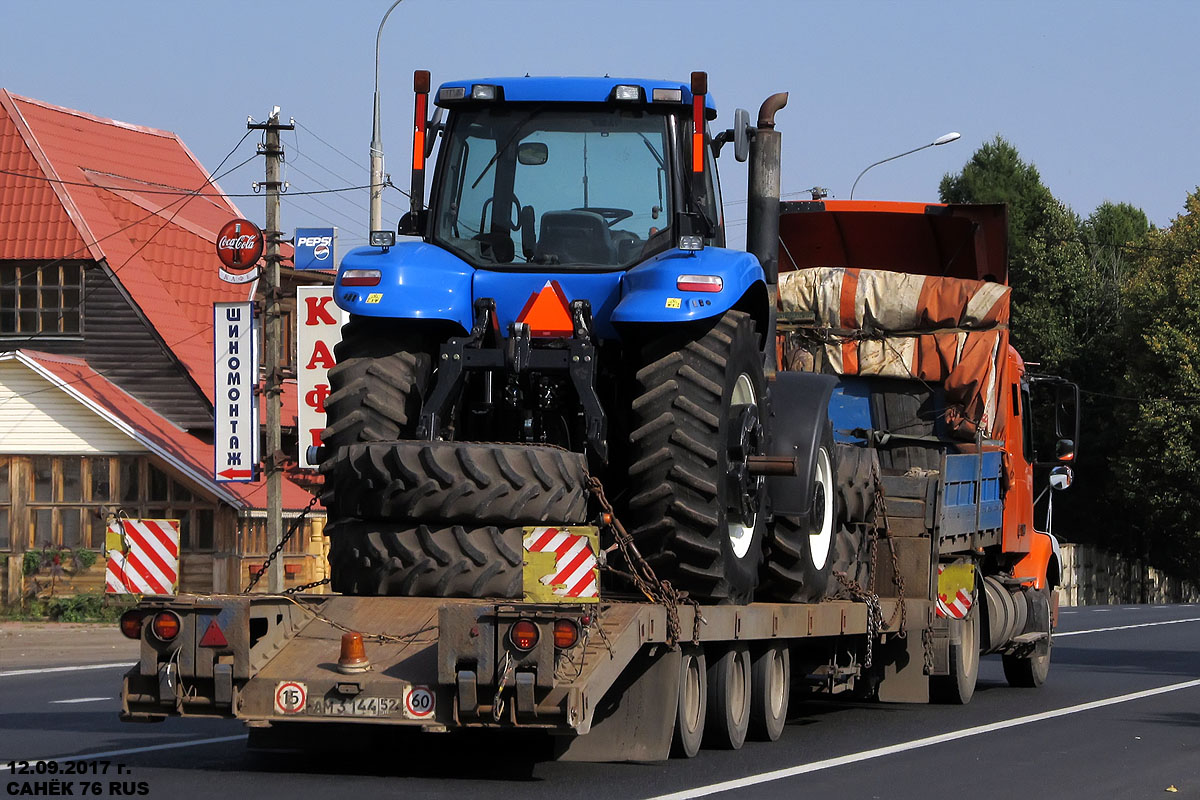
(80, 700)
(1058, 635)
(10, 673)
(132, 750)
(915, 744)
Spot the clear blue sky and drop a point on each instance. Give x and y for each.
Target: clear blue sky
(1099, 95)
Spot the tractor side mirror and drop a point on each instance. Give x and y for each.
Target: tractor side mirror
(741, 134)
(1061, 478)
(533, 154)
(435, 127)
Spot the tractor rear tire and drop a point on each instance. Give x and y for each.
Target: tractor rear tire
(802, 548)
(376, 384)
(458, 482)
(380, 558)
(695, 520)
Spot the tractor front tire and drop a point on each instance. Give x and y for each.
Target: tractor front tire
(696, 514)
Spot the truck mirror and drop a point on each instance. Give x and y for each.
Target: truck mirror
(1061, 478)
(741, 134)
(1064, 450)
(533, 154)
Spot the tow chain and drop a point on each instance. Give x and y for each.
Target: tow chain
(874, 612)
(279, 548)
(897, 578)
(642, 575)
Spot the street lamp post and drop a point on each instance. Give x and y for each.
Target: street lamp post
(945, 138)
(377, 140)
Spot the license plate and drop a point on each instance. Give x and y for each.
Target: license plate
(357, 706)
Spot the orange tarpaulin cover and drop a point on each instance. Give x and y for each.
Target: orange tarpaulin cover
(951, 331)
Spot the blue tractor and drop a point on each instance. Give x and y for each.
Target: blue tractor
(571, 310)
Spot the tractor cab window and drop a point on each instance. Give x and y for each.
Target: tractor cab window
(581, 188)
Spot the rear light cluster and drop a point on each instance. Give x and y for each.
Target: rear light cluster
(524, 634)
(164, 625)
(360, 277)
(131, 623)
(699, 283)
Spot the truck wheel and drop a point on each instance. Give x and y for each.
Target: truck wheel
(729, 699)
(802, 548)
(380, 558)
(376, 384)
(1030, 671)
(958, 687)
(694, 509)
(458, 482)
(770, 690)
(693, 703)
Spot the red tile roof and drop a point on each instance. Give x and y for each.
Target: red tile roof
(104, 176)
(192, 456)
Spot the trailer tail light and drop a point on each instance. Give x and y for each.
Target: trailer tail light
(166, 625)
(523, 635)
(131, 623)
(699, 283)
(566, 633)
(361, 277)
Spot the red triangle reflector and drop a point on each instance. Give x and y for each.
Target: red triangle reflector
(548, 313)
(213, 637)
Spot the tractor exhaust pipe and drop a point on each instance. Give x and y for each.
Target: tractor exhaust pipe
(762, 212)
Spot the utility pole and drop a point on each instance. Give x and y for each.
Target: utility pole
(272, 149)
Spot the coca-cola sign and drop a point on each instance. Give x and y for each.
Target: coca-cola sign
(239, 246)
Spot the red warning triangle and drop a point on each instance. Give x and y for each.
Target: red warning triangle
(548, 313)
(213, 637)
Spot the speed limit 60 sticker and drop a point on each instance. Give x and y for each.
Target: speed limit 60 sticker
(418, 702)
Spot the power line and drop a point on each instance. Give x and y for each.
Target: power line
(173, 192)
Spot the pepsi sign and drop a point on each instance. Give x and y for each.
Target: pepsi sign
(316, 248)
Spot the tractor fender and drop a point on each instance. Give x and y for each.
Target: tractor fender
(798, 413)
(417, 281)
(650, 291)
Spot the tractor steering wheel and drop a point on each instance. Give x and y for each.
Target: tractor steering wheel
(611, 215)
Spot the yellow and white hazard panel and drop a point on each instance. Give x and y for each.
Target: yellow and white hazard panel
(956, 590)
(560, 564)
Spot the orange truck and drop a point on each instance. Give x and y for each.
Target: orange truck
(840, 438)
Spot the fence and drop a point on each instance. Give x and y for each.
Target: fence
(1091, 576)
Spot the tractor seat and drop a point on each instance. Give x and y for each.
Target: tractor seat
(575, 237)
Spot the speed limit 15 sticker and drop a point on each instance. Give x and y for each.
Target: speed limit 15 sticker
(418, 702)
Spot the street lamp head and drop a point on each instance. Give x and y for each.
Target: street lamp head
(947, 138)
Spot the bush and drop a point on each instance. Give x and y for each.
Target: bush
(85, 608)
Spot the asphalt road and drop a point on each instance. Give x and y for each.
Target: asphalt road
(1119, 718)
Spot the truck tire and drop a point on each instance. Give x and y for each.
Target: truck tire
(457, 482)
(692, 708)
(379, 558)
(801, 549)
(958, 687)
(694, 511)
(1030, 671)
(729, 698)
(376, 384)
(770, 690)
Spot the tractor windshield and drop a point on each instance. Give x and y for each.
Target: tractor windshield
(578, 187)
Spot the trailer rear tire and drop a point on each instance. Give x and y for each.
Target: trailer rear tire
(729, 698)
(694, 509)
(458, 482)
(380, 558)
(958, 687)
(802, 548)
(1030, 671)
(376, 385)
(693, 703)
(770, 691)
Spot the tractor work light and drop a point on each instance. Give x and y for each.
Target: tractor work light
(166, 625)
(361, 277)
(451, 93)
(566, 633)
(523, 635)
(382, 238)
(131, 623)
(699, 283)
(667, 95)
(690, 241)
(626, 93)
(484, 91)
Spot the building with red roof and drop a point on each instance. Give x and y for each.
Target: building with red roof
(108, 275)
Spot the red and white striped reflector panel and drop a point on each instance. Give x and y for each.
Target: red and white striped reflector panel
(143, 556)
(575, 575)
(954, 597)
